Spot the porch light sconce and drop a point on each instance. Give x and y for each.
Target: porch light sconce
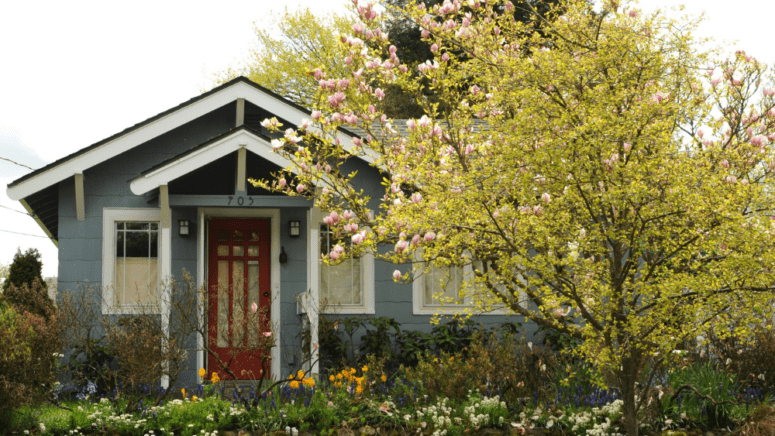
(283, 256)
(183, 227)
(295, 227)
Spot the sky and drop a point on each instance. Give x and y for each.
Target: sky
(73, 73)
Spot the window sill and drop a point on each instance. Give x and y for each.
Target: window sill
(349, 310)
(450, 310)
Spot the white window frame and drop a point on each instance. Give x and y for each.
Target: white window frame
(367, 273)
(110, 216)
(418, 295)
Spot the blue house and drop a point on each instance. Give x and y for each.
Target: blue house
(169, 193)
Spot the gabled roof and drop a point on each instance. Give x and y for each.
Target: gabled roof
(204, 154)
(121, 142)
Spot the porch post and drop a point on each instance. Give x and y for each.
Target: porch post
(166, 266)
(313, 268)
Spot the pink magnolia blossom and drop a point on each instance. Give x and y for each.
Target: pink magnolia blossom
(282, 183)
(416, 197)
(725, 163)
(434, 48)
(545, 197)
(300, 188)
(358, 28)
(334, 255)
(277, 144)
(325, 191)
(425, 33)
(411, 125)
(338, 248)
(759, 140)
(268, 334)
(401, 246)
(424, 121)
(627, 147)
(445, 57)
(357, 238)
(316, 114)
(396, 275)
(416, 240)
(347, 214)
(379, 93)
(429, 236)
(254, 307)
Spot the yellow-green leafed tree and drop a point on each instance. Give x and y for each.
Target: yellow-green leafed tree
(604, 177)
(285, 53)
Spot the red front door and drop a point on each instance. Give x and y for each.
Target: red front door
(238, 276)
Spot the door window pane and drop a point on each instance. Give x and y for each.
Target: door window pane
(253, 326)
(223, 304)
(238, 303)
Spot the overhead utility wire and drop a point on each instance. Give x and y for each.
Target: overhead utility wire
(16, 163)
(25, 234)
(17, 211)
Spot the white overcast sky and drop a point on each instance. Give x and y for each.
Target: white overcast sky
(73, 73)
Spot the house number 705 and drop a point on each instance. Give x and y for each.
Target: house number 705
(240, 201)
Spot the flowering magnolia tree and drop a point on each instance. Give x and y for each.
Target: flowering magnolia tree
(602, 177)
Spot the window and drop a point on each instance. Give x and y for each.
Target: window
(131, 265)
(439, 290)
(347, 287)
(137, 262)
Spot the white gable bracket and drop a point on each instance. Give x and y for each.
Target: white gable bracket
(80, 202)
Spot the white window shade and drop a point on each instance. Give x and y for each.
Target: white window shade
(440, 290)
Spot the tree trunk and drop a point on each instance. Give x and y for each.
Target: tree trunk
(628, 377)
(628, 411)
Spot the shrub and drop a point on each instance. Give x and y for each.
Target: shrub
(384, 338)
(25, 269)
(30, 343)
(751, 361)
(507, 366)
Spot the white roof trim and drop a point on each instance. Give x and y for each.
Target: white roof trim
(277, 106)
(199, 158)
